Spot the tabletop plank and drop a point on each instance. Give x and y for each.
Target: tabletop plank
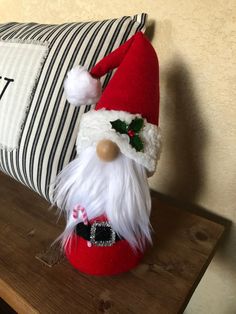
(183, 245)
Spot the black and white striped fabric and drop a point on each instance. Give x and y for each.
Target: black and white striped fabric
(48, 135)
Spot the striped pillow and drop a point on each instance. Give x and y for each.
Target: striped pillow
(47, 123)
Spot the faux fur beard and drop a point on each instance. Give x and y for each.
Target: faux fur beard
(117, 189)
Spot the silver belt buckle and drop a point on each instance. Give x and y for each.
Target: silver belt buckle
(93, 230)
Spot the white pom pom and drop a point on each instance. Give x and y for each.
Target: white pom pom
(81, 88)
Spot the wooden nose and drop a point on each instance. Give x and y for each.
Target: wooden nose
(107, 150)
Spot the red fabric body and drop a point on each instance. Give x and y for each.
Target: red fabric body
(95, 260)
(101, 261)
(135, 85)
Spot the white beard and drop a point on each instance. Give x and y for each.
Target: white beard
(118, 189)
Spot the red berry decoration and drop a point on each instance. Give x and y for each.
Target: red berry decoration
(131, 133)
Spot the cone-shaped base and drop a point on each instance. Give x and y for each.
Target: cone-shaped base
(102, 261)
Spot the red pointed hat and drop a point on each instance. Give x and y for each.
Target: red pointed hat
(129, 105)
(135, 85)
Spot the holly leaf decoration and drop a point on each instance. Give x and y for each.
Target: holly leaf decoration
(136, 143)
(119, 126)
(136, 125)
(131, 130)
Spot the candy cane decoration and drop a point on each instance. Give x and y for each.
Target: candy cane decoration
(84, 215)
(76, 210)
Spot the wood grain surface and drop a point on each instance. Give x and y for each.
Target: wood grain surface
(184, 244)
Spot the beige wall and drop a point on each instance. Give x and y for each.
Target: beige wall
(196, 42)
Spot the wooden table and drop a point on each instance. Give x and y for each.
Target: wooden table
(184, 244)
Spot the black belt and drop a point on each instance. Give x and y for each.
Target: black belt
(100, 233)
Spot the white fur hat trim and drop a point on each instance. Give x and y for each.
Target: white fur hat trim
(96, 126)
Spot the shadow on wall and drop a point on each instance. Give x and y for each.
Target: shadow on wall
(186, 135)
(150, 29)
(186, 139)
(185, 142)
(184, 131)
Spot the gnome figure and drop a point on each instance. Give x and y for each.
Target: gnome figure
(104, 191)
